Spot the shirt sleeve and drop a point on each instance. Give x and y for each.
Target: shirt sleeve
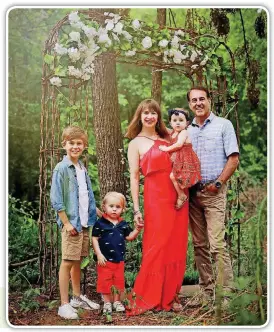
(97, 230)
(92, 205)
(127, 229)
(56, 191)
(230, 139)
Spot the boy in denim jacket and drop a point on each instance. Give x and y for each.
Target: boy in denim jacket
(73, 199)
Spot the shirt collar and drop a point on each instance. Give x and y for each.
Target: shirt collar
(69, 162)
(209, 119)
(105, 216)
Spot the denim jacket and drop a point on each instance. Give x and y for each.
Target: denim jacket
(64, 194)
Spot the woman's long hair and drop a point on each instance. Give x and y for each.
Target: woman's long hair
(135, 125)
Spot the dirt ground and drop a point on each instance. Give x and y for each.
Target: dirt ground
(47, 315)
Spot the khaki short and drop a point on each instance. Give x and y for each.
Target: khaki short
(77, 246)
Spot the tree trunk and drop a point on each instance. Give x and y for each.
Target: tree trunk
(107, 125)
(156, 89)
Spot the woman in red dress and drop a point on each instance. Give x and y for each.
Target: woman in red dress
(165, 229)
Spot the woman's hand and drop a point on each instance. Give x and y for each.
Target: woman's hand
(163, 148)
(138, 220)
(101, 260)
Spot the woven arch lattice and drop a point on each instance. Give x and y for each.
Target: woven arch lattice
(75, 103)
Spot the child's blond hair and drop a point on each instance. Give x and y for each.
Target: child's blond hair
(116, 195)
(74, 132)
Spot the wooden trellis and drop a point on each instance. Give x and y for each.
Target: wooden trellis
(58, 110)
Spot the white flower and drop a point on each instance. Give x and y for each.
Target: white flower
(78, 25)
(127, 35)
(194, 66)
(202, 63)
(130, 52)
(82, 48)
(136, 25)
(73, 17)
(147, 42)
(56, 81)
(103, 37)
(193, 56)
(88, 69)
(91, 52)
(175, 42)
(85, 77)
(179, 33)
(259, 10)
(59, 49)
(116, 18)
(178, 56)
(110, 25)
(118, 28)
(115, 37)
(106, 13)
(163, 43)
(74, 72)
(74, 54)
(89, 31)
(75, 36)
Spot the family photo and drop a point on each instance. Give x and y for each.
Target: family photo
(137, 167)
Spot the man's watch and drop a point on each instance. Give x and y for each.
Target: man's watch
(218, 184)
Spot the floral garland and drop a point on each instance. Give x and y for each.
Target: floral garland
(126, 37)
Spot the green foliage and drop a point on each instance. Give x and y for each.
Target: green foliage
(29, 301)
(23, 230)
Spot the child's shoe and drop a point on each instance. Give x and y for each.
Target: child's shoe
(67, 311)
(83, 302)
(118, 306)
(107, 309)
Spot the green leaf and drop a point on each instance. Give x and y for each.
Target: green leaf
(84, 262)
(48, 59)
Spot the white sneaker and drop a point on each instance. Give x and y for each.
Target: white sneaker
(66, 311)
(107, 309)
(118, 306)
(83, 302)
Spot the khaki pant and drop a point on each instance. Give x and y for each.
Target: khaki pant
(207, 223)
(75, 246)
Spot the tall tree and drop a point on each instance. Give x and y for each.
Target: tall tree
(107, 123)
(156, 88)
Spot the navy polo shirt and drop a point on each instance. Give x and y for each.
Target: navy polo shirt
(111, 238)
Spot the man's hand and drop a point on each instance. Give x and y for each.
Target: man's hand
(163, 148)
(69, 228)
(138, 220)
(101, 260)
(211, 187)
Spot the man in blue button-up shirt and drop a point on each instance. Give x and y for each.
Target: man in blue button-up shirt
(215, 144)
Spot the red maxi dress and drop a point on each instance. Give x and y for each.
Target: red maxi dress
(164, 240)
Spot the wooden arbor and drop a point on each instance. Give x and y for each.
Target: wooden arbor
(93, 104)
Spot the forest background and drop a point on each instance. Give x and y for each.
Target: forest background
(28, 30)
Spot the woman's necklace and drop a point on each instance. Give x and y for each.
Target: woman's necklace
(154, 136)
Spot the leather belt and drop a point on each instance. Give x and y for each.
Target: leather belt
(201, 186)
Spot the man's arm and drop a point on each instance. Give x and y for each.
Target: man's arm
(230, 167)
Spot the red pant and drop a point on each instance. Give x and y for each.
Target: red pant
(112, 274)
